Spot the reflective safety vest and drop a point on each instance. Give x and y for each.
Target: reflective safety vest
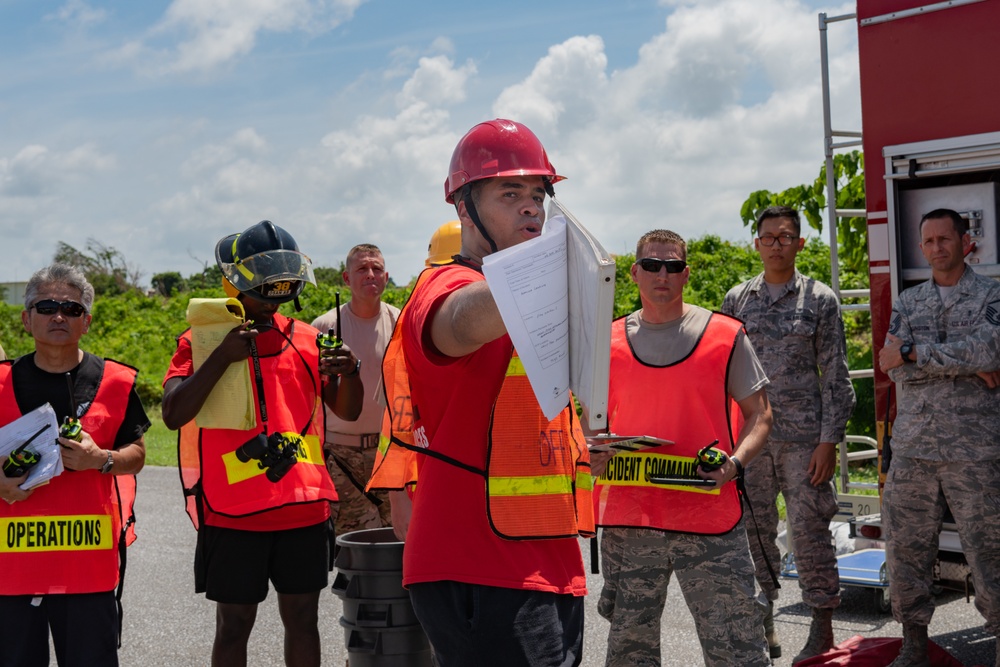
(538, 480)
(687, 403)
(208, 461)
(66, 537)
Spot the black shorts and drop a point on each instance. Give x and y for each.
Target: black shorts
(84, 629)
(233, 566)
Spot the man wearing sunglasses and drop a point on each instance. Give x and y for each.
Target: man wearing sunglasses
(681, 373)
(795, 326)
(59, 562)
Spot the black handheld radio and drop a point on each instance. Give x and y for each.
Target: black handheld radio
(710, 459)
(22, 459)
(331, 340)
(71, 429)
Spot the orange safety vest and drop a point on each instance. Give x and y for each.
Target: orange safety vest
(66, 537)
(686, 402)
(207, 458)
(538, 480)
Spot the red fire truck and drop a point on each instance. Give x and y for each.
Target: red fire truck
(930, 107)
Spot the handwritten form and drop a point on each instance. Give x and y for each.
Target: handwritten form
(556, 296)
(230, 405)
(16, 433)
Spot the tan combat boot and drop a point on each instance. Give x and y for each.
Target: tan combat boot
(773, 644)
(914, 650)
(820, 635)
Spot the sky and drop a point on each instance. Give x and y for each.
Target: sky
(156, 128)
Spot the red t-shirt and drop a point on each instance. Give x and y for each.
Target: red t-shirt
(449, 538)
(282, 518)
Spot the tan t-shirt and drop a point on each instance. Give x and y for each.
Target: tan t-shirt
(665, 344)
(368, 339)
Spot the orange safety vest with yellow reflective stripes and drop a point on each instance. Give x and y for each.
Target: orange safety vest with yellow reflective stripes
(687, 403)
(66, 537)
(538, 480)
(207, 458)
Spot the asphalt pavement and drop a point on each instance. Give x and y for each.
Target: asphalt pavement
(167, 624)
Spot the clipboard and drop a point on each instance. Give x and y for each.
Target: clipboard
(624, 443)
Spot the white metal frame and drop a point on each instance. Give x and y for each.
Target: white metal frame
(830, 146)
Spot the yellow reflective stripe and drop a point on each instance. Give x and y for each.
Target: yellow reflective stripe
(247, 273)
(529, 486)
(80, 532)
(515, 368)
(584, 480)
(237, 471)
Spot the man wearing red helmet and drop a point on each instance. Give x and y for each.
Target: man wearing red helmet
(491, 558)
(260, 497)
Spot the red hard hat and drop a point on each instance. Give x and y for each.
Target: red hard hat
(497, 148)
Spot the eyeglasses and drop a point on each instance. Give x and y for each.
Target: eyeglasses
(654, 265)
(67, 308)
(783, 240)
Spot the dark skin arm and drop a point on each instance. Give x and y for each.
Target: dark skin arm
(183, 398)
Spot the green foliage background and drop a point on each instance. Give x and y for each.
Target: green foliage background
(141, 330)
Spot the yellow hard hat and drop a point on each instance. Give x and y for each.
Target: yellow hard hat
(445, 243)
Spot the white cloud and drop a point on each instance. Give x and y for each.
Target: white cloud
(680, 138)
(566, 86)
(35, 171)
(222, 31)
(79, 13)
(436, 82)
(723, 101)
(676, 140)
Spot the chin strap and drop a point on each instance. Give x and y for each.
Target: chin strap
(474, 214)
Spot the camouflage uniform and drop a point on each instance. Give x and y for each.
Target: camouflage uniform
(943, 444)
(714, 574)
(354, 511)
(799, 339)
(351, 445)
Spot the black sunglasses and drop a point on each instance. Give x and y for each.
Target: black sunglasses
(67, 308)
(654, 265)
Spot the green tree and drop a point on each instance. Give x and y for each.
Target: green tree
(327, 275)
(810, 201)
(168, 283)
(105, 267)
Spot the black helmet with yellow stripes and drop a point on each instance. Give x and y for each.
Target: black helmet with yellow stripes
(264, 263)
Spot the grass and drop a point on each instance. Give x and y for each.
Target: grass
(161, 442)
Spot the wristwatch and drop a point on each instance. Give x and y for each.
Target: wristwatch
(739, 466)
(355, 371)
(106, 468)
(905, 350)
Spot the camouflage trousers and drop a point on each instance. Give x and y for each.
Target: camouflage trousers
(715, 574)
(913, 506)
(783, 466)
(355, 511)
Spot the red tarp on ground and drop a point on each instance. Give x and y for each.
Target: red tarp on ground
(874, 652)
